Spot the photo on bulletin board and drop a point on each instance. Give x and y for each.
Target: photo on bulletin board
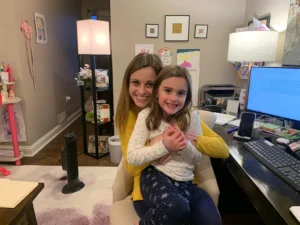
(177, 28)
(40, 28)
(152, 30)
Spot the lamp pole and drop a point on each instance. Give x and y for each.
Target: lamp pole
(92, 57)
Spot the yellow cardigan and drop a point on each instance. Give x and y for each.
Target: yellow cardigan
(209, 143)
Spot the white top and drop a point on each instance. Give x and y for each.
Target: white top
(181, 165)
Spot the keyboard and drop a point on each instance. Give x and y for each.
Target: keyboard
(277, 160)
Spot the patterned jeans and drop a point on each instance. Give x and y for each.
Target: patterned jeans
(169, 200)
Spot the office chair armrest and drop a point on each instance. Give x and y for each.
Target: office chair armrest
(123, 183)
(206, 179)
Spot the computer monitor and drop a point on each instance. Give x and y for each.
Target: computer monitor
(275, 91)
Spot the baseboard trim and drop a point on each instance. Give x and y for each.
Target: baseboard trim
(31, 150)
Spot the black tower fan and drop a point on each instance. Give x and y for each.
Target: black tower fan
(70, 164)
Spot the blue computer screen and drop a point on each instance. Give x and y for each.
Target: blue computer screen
(275, 91)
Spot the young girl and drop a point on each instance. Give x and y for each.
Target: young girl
(167, 188)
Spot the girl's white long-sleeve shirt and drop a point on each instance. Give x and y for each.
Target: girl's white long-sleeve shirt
(181, 165)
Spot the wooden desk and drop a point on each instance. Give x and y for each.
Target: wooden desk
(271, 196)
(23, 213)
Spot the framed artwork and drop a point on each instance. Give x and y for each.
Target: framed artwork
(265, 20)
(177, 28)
(201, 31)
(152, 30)
(40, 27)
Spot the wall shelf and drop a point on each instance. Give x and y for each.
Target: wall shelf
(10, 157)
(12, 101)
(12, 122)
(98, 124)
(7, 83)
(97, 89)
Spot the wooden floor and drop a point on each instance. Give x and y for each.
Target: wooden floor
(50, 155)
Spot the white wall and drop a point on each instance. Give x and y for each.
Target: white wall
(278, 9)
(56, 63)
(128, 22)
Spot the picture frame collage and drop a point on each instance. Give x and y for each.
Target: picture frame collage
(177, 28)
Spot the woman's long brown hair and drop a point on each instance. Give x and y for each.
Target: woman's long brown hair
(182, 117)
(140, 61)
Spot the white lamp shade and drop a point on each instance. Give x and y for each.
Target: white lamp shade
(255, 46)
(93, 37)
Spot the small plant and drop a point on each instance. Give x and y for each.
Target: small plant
(84, 77)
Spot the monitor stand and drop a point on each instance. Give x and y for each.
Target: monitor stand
(296, 125)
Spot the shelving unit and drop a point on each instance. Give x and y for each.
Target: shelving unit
(7, 156)
(99, 128)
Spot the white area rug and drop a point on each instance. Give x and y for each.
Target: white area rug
(81, 207)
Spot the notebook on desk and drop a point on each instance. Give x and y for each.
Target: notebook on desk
(223, 119)
(13, 192)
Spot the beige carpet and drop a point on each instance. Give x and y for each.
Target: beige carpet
(94, 197)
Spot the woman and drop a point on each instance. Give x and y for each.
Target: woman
(135, 95)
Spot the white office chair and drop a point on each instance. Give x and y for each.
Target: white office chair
(122, 210)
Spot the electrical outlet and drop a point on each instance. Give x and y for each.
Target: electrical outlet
(68, 98)
(61, 117)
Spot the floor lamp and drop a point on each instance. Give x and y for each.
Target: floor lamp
(251, 46)
(93, 39)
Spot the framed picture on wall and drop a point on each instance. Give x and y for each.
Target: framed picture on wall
(201, 31)
(265, 20)
(177, 28)
(40, 28)
(152, 30)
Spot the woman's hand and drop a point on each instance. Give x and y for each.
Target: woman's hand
(191, 137)
(174, 140)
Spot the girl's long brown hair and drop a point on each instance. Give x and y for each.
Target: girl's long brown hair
(182, 117)
(140, 61)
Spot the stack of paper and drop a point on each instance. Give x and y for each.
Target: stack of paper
(223, 119)
(13, 192)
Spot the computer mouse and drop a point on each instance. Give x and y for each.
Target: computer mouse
(283, 141)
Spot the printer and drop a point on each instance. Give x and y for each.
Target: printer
(213, 96)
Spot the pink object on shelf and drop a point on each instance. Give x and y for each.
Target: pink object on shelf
(13, 128)
(4, 171)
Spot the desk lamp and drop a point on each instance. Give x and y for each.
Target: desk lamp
(252, 46)
(93, 39)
